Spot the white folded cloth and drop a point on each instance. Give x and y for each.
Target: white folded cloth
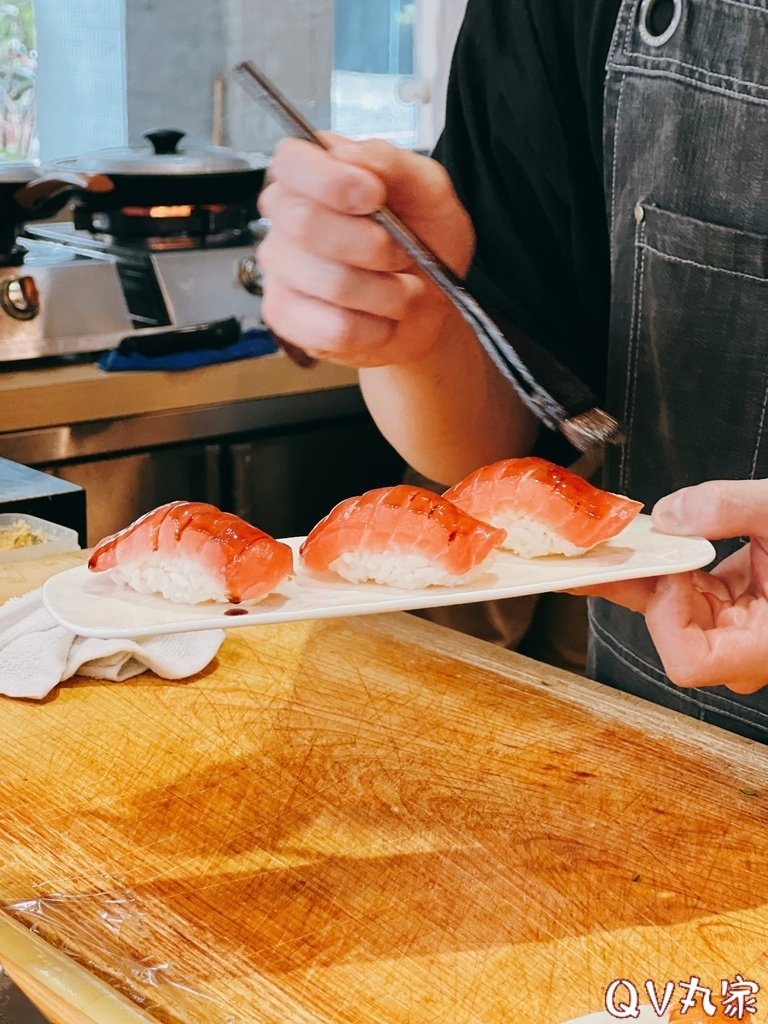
(36, 653)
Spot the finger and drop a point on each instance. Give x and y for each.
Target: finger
(361, 177)
(411, 180)
(357, 241)
(316, 173)
(325, 331)
(716, 509)
(677, 618)
(735, 572)
(419, 190)
(391, 296)
(682, 618)
(745, 572)
(758, 550)
(631, 594)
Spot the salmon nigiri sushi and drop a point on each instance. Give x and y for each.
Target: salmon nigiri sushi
(543, 508)
(403, 536)
(190, 552)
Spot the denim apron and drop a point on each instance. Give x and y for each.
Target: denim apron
(686, 166)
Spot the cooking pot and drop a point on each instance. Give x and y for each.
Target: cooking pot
(165, 174)
(26, 194)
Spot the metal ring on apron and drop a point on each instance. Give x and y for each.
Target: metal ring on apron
(659, 20)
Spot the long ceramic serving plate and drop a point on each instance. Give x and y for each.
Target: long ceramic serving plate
(96, 604)
(646, 1015)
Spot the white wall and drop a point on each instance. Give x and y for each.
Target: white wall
(175, 50)
(111, 69)
(290, 41)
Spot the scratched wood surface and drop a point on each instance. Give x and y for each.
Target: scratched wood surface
(378, 820)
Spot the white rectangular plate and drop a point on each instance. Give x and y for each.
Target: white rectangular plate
(95, 604)
(647, 1016)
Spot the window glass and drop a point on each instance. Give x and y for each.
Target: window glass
(18, 71)
(373, 54)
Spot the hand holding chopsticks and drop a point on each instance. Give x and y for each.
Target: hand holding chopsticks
(555, 396)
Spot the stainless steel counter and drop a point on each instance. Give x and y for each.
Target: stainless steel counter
(276, 444)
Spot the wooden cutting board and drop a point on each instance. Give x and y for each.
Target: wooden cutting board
(372, 820)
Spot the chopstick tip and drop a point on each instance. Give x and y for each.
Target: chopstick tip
(592, 429)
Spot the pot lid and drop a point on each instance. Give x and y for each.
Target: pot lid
(163, 155)
(18, 171)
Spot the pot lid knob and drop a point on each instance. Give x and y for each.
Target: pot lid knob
(164, 140)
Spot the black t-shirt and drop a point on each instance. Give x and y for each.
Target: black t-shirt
(523, 145)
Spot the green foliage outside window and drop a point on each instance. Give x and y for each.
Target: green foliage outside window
(18, 70)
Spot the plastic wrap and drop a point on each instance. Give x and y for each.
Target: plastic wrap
(109, 934)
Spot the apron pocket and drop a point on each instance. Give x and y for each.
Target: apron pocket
(698, 355)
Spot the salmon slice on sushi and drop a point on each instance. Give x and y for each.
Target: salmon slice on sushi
(402, 536)
(542, 508)
(190, 552)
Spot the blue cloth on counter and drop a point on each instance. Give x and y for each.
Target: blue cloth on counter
(257, 342)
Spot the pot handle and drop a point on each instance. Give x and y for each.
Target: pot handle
(58, 187)
(164, 140)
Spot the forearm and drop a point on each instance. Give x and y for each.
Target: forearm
(450, 411)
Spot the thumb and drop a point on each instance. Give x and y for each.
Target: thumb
(716, 509)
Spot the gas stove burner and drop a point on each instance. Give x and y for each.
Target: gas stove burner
(163, 212)
(165, 228)
(93, 293)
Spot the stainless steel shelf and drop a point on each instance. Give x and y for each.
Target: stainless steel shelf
(151, 430)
